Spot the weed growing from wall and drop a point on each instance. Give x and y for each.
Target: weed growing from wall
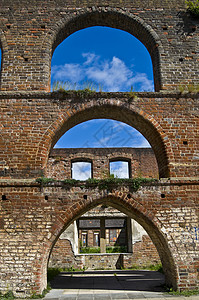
(193, 7)
(102, 184)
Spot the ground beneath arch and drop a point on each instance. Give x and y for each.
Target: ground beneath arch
(116, 284)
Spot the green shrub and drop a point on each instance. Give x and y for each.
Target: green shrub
(193, 7)
(116, 249)
(185, 293)
(102, 184)
(8, 295)
(44, 180)
(90, 250)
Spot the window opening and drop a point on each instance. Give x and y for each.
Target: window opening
(96, 239)
(119, 169)
(81, 170)
(84, 239)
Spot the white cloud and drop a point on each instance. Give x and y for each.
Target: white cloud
(145, 83)
(81, 170)
(140, 142)
(90, 58)
(120, 169)
(68, 72)
(113, 74)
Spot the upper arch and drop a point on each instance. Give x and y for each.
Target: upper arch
(118, 19)
(132, 116)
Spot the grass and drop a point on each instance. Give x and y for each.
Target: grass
(45, 291)
(185, 293)
(191, 88)
(152, 267)
(116, 249)
(90, 250)
(63, 86)
(109, 249)
(8, 295)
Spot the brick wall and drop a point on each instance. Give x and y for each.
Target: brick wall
(33, 216)
(31, 122)
(142, 162)
(169, 123)
(63, 256)
(144, 253)
(30, 31)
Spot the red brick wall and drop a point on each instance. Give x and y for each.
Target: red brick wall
(144, 252)
(169, 123)
(142, 161)
(31, 122)
(32, 216)
(29, 38)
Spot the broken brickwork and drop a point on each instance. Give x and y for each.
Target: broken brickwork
(32, 120)
(142, 161)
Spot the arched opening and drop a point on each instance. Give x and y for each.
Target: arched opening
(132, 211)
(111, 60)
(102, 148)
(145, 124)
(118, 20)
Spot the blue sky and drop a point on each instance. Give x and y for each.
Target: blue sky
(113, 60)
(102, 133)
(110, 58)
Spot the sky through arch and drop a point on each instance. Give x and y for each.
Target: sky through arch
(112, 59)
(102, 133)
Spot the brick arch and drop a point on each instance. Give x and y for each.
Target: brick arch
(116, 110)
(118, 19)
(128, 205)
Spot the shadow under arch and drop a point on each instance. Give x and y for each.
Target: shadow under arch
(134, 117)
(3, 48)
(117, 19)
(135, 210)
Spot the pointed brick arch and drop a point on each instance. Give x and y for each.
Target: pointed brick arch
(111, 109)
(127, 203)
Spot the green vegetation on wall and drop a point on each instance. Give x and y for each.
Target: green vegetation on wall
(193, 7)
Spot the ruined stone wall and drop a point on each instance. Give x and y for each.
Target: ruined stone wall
(30, 126)
(32, 216)
(64, 257)
(142, 162)
(30, 31)
(144, 253)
